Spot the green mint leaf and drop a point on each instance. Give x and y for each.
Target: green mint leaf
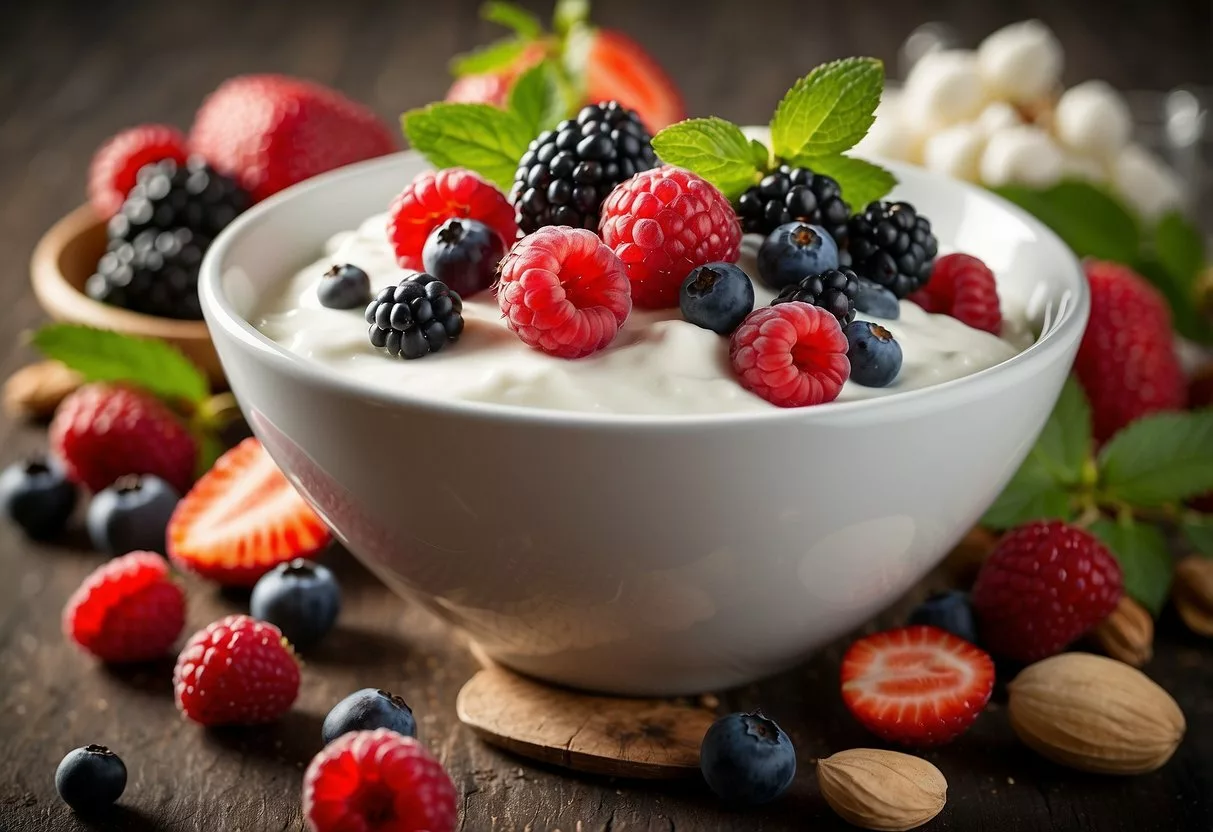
(1181, 296)
(861, 181)
(1032, 494)
(1064, 445)
(537, 98)
(829, 110)
(569, 15)
(475, 136)
(1159, 459)
(102, 355)
(1090, 221)
(714, 148)
(761, 155)
(1197, 530)
(1174, 265)
(1144, 559)
(524, 24)
(490, 58)
(1178, 245)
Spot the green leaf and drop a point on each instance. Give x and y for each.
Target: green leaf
(1159, 459)
(1178, 245)
(1181, 297)
(1197, 530)
(102, 355)
(570, 15)
(761, 155)
(1090, 221)
(490, 58)
(829, 110)
(1032, 494)
(524, 24)
(1174, 265)
(537, 99)
(1144, 559)
(475, 136)
(1064, 446)
(861, 181)
(714, 148)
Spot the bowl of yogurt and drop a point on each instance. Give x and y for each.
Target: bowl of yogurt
(633, 522)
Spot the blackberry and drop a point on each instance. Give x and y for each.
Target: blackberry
(566, 173)
(416, 317)
(890, 244)
(168, 196)
(833, 290)
(156, 273)
(790, 194)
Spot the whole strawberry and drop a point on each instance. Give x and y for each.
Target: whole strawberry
(102, 432)
(377, 780)
(237, 671)
(127, 610)
(271, 131)
(1044, 585)
(1127, 363)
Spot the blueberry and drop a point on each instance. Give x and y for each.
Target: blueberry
(37, 496)
(794, 251)
(300, 598)
(717, 296)
(366, 710)
(131, 515)
(90, 778)
(464, 255)
(344, 287)
(875, 355)
(949, 611)
(876, 300)
(747, 759)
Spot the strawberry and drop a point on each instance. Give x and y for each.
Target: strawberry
(111, 175)
(242, 519)
(236, 671)
(1126, 362)
(918, 685)
(102, 432)
(619, 68)
(494, 87)
(271, 131)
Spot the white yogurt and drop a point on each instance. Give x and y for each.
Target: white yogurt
(658, 363)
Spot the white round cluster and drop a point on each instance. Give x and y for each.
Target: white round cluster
(998, 115)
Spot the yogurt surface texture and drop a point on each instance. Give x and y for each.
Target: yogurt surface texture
(657, 364)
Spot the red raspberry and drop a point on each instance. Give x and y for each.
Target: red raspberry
(792, 354)
(271, 131)
(664, 222)
(237, 671)
(434, 197)
(962, 286)
(379, 780)
(564, 292)
(1126, 362)
(1044, 585)
(103, 432)
(112, 172)
(127, 610)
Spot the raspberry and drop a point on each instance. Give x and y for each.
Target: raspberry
(102, 432)
(236, 671)
(434, 197)
(792, 354)
(890, 244)
(377, 780)
(962, 286)
(1126, 362)
(111, 175)
(1044, 585)
(564, 292)
(663, 223)
(127, 610)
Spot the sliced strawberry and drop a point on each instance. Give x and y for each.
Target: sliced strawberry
(242, 519)
(619, 68)
(917, 685)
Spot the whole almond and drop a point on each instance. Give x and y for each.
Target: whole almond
(1127, 635)
(1095, 714)
(1193, 593)
(36, 390)
(882, 790)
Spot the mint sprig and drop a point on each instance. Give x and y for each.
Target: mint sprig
(861, 181)
(715, 149)
(540, 98)
(1159, 460)
(1145, 561)
(828, 111)
(480, 137)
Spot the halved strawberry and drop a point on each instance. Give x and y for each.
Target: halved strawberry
(917, 685)
(242, 519)
(619, 68)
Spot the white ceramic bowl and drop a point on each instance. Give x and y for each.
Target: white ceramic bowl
(643, 555)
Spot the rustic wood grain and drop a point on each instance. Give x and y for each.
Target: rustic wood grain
(74, 73)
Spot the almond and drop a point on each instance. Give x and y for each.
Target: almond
(1193, 593)
(882, 790)
(1127, 635)
(1095, 714)
(36, 390)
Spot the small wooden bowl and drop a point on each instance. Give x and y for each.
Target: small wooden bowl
(64, 259)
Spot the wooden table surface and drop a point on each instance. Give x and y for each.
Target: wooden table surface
(75, 73)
